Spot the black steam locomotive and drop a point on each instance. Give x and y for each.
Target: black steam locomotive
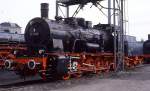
(68, 35)
(72, 35)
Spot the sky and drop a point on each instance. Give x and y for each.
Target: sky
(21, 11)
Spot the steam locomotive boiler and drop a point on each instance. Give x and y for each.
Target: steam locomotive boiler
(68, 35)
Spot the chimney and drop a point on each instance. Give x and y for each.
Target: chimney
(44, 10)
(148, 36)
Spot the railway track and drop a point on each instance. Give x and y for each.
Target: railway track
(61, 84)
(19, 85)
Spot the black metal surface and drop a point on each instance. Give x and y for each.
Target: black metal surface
(148, 36)
(44, 10)
(133, 48)
(75, 2)
(62, 65)
(37, 32)
(41, 33)
(146, 47)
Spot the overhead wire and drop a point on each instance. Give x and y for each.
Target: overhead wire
(77, 10)
(100, 9)
(61, 11)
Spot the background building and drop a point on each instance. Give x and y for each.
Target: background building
(10, 28)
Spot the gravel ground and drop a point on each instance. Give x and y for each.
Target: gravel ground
(134, 80)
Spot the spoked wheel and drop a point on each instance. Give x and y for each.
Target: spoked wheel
(66, 76)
